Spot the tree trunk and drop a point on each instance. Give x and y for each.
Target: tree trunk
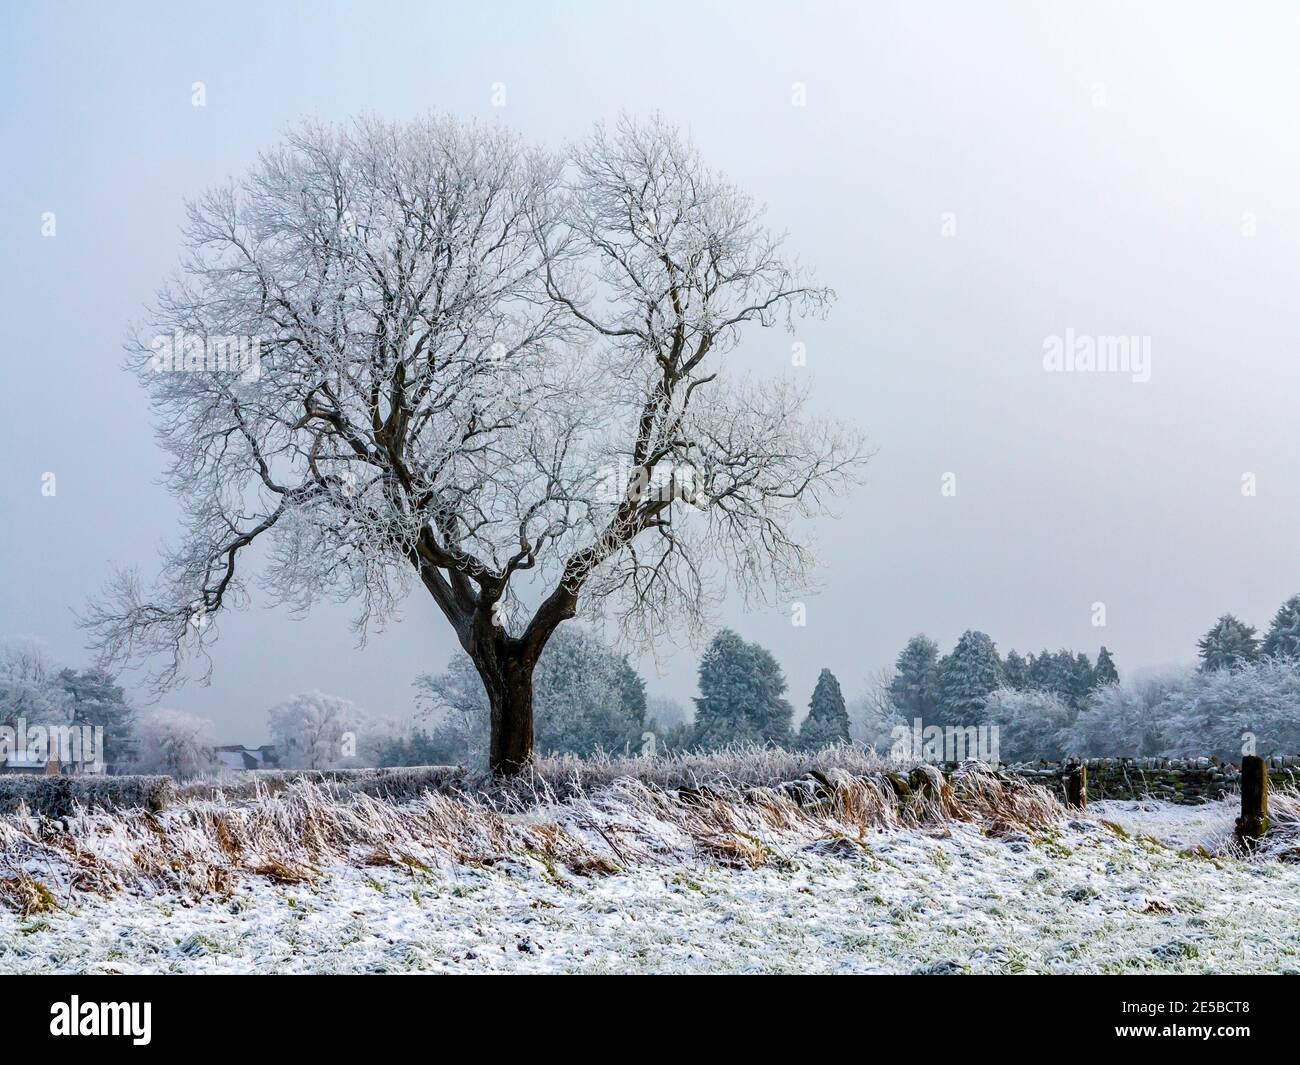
(511, 700)
(507, 675)
(505, 665)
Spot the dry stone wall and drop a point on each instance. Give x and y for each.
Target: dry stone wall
(1180, 780)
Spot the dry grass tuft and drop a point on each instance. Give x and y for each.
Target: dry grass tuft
(1282, 840)
(26, 895)
(556, 778)
(574, 818)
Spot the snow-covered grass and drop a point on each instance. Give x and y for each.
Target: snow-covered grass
(1208, 826)
(1076, 898)
(837, 873)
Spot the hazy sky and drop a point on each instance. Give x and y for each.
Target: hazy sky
(1114, 169)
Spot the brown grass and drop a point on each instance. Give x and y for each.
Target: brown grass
(577, 822)
(26, 895)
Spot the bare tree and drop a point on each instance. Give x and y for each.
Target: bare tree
(873, 715)
(173, 741)
(30, 686)
(486, 371)
(313, 730)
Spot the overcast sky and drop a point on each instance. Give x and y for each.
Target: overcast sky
(1111, 169)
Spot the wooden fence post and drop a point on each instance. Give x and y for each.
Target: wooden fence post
(1253, 822)
(1076, 786)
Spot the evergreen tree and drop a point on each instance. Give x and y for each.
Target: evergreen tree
(828, 717)
(1040, 671)
(1083, 679)
(1050, 672)
(966, 677)
(443, 745)
(915, 687)
(586, 696)
(1058, 673)
(1105, 673)
(1283, 639)
(741, 696)
(1015, 671)
(1230, 644)
(94, 699)
(631, 685)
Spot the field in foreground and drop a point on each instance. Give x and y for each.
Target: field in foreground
(850, 877)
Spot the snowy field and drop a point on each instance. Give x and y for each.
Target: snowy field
(1071, 896)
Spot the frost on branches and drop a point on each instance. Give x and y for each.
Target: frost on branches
(496, 373)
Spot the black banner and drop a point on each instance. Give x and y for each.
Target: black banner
(146, 1014)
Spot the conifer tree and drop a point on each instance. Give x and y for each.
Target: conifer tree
(828, 717)
(1083, 679)
(1105, 672)
(966, 677)
(1015, 671)
(1230, 644)
(1283, 639)
(742, 695)
(96, 700)
(915, 687)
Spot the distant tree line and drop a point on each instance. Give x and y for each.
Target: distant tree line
(1232, 644)
(589, 698)
(953, 690)
(1244, 697)
(34, 689)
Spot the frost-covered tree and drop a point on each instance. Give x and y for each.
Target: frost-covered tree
(1253, 706)
(828, 718)
(1283, 637)
(437, 746)
(1031, 724)
(966, 677)
(96, 700)
(915, 687)
(586, 698)
(1015, 671)
(1195, 713)
(1053, 672)
(29, 684)
(631, 688)
(1105, 672)
(742, 695)
(454, 706)
(1129, 719)
(1230, 644)
(173, 741)
(873, 715)
(34, 688)
(1083, 679)
(313, 730)
(494, 374)
(1070, 677)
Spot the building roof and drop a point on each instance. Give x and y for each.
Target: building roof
(237, 756)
